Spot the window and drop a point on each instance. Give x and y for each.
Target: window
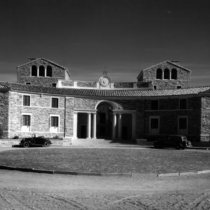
(154, 105)
(26, 120)
(159, 74)
(28, 83)
(26, 100)
(183, 103)
(41, 71)
(34, 71)
(155, 87)
(183, 125)
(173, 74)
(54, 84)
(54, 121)
(154, 125)
(178, 87)
(166, 74)
(54, 102)
(49, 71)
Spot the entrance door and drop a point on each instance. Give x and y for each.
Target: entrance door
(83, 131)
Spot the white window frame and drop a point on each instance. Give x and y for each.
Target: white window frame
(58, 102)
(25, 128)
(23, 100)
(183, 131)
(154, 131)
(52, 128)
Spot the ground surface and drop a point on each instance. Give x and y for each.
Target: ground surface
(108, 160)
(24, 191)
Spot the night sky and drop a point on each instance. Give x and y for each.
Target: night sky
(121, 37)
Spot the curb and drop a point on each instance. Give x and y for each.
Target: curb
(100, 174)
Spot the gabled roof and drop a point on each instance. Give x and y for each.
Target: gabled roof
(167, 61)
(135, 93)
(49, 61)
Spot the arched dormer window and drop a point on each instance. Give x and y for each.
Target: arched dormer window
(49, 71)
(159, 74)
(41, 71)
(34, 71)
(174, 74)
(166, 74)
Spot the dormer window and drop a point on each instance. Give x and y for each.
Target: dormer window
(34, 71)
(49, 71)
(159, 74)
(173, 74)
(41, 71)
(166, 74)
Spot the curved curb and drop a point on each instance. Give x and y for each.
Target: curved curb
(100, 174)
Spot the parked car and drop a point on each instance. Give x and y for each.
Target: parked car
(174, 141)
(35, 141)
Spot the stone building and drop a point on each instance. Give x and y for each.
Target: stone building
(46, 101)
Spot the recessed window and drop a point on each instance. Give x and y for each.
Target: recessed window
(26, 120)
(41, 71)
(49, 71)
(173, 74)
(54, 121)
(166, 74)
(154, 125)
(183, 103)
(159, 74)
(155, 87)
(26, 100)
(178, 87)
(154, 105)
(54, 102)
(183, 125)
(53, 84)
(34, 71)
(28, 83)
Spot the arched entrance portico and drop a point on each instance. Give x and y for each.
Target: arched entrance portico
(106, 121)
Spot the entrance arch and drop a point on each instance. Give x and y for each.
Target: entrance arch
(104, 120)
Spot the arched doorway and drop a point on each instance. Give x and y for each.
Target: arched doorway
(104, 120)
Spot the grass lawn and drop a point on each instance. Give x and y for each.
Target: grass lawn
(113, 160)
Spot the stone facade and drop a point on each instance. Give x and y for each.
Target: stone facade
(4, 104)
(129, 110)
(182, 79)
(24, 73)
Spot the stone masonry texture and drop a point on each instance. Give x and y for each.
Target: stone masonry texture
(24, 74)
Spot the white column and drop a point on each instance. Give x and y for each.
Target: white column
(133, 125)
(119, 126)
(94, 126)
(114, 123)
(89, 125)
(75, 125)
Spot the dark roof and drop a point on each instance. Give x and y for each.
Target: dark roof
(134, 93)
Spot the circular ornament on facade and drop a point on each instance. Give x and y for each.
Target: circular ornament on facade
(104, 81)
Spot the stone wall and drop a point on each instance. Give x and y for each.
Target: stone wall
(168, 114)
(205, 118)
(123, 85)
(40, 111)
(183, 77)
(4, 103)
(67, 83)
(24, 74)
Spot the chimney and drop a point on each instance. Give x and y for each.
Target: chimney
(31, 59)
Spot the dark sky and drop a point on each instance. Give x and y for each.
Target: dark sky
(119, 36)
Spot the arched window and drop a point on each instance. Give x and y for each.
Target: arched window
(49, 71)
(159, 74)
(41, 71)
(34, 71)
(174, 74)
(166, 74)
